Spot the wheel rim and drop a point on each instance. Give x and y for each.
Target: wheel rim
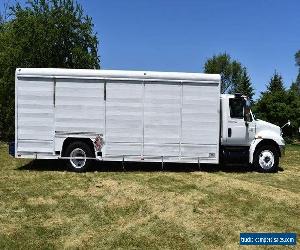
(266, 159)
(78, 153)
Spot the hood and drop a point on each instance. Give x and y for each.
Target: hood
(267, 126)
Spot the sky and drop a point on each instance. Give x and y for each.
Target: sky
(180, 35)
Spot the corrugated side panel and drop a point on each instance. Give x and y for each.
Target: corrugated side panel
(162, 119)
(124, 117)
(35, 122)
(174, 120)
(79, 106)
(200, 121)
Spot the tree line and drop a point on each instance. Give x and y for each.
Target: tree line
(44, 33)
(57, 33)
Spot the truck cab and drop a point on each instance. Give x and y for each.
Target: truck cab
(247, 139)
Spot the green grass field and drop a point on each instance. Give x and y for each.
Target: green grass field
(43, 206)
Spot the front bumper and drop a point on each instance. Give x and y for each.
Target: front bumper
(282, 150)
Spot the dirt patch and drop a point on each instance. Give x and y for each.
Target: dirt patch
(56, 220)
(8, 229)
(36, 201)
(79, 241)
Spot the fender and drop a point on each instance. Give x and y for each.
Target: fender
(264, 135)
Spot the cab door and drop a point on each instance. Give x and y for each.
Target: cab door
(240, 125)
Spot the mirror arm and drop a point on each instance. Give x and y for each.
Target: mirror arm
(287, 124)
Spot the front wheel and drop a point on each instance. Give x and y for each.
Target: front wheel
(266, 159)
(78, 153)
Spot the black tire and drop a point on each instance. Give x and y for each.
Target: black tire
(263, 158)
(79, 149)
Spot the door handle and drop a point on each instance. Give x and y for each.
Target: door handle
(229, 132)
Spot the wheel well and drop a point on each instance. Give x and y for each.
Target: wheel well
(267, 142)
(70, 140)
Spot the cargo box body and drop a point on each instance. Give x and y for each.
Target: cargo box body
(148, 116)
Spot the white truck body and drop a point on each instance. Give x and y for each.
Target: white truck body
(150, 116)
(137, 116)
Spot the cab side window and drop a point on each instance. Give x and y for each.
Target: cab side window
(236, 106)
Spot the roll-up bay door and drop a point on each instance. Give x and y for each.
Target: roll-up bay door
(124, 118)
(200, 121)
(35, 115)
(162, 119)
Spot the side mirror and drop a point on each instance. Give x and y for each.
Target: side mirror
(247, 117)
(287, 124)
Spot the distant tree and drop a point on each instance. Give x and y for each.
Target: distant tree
(298, 80)
(44, 33)
(234, 77)
(294, 103)
(244, 85)
(273, 107)
(294, 116)
(277, 105)
(220, 64)
(276, 83)
(297, 59)
(295, 87)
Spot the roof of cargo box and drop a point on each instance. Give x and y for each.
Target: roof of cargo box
(116, 74)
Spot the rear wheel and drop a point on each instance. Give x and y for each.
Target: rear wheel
(78, 153)
(266, 159)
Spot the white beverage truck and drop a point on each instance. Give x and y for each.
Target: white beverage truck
(84, 115)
